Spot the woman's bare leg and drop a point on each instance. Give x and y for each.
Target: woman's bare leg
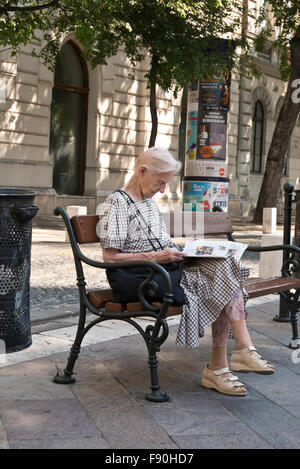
(232, 315)
(235, 313)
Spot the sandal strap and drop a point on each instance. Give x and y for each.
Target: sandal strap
(222, 371)
(235, 381)
(260, 358)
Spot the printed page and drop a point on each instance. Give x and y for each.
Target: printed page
(205, 249)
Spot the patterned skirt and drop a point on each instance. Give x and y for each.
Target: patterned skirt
(209, 285)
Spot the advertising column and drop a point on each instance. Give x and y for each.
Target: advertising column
(205, 183)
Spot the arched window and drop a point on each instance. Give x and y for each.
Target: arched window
(69, 121)
(258, 132)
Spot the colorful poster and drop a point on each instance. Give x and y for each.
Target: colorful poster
(192, 129)
(212, 135)
(203, 195)
(214, 93)
(207, 145)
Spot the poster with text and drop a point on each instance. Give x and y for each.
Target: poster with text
(212, 135)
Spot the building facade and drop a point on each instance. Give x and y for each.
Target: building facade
(73, 135)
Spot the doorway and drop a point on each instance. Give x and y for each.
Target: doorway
(68, 124)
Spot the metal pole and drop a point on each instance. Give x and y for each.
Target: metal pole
(297, 226)
(284, 314)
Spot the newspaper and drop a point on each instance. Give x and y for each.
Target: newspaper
(203, 248)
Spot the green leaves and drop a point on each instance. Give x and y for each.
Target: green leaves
(182, 34)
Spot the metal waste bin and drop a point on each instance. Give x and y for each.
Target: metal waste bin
(16, 213)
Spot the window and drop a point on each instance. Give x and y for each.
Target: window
(258, 138)
(69, 121)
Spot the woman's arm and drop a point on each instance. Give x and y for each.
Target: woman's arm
(161, 257)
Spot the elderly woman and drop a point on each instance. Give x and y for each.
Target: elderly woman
(213, 288)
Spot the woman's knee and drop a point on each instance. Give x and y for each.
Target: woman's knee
(235, 309)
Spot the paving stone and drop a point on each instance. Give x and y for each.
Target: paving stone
(42, 346)
(94, 335)
(76, 443)
(245, 440)
(260, 322)
(41, 367)
(46, 420)
(3, 438)
(32, 387)
(205, 417)
(121, 420)
(283, 387)
(285, 440)
(263, 417)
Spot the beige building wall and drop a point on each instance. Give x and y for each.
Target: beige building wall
(119, 125)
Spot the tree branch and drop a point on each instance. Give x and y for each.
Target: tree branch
(44, 6)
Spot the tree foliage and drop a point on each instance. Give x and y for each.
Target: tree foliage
(179, 37)
(179, 33)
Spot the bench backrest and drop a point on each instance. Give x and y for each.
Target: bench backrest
(84, 226)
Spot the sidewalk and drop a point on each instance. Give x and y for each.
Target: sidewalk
(105, 408)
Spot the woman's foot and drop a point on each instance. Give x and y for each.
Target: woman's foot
(223, 381)
(248, 359)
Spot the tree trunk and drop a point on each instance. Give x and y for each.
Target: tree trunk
(153, 104)
(277, 155)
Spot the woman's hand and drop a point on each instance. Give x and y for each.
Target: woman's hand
(160, 257)
(169, 255)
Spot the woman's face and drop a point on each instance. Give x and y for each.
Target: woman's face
(151, 183)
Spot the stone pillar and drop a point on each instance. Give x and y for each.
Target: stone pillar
(72, 211)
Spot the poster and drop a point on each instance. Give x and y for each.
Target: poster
(205, 193)
(207, 145)
(212, 135)
(214, 93)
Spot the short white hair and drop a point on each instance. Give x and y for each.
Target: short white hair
(158, 160)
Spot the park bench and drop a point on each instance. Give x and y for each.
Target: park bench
(82, 229)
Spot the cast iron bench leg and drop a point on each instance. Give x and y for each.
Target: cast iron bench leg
(66, 378)
(154, 341)
(294, 306)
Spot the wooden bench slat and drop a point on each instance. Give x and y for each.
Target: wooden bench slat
(84, 227)
(98, 298)
(254, 287)
(261, 287)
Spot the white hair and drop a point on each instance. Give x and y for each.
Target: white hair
(158, 160)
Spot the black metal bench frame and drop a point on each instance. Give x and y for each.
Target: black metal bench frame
(156, 334)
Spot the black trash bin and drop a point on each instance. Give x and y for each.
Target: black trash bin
(16, 213)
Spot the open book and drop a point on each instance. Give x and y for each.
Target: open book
(203, 248)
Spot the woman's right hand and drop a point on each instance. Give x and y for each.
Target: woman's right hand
(169, 255)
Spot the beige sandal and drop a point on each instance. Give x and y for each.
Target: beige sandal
(246, 360)
(214, 379)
